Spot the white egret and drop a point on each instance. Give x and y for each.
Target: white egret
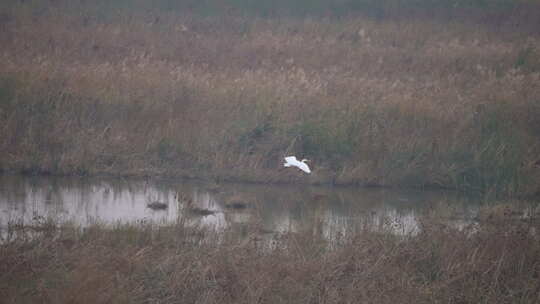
(291, 161)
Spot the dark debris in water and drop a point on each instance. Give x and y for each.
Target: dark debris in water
(236, 205)
(157, 205)
(201, 211)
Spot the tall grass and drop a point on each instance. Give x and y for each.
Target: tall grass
(396, 101)
(496, 262)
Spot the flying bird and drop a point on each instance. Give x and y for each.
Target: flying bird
(291, 161)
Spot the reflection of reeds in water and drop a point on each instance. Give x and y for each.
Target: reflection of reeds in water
(241, 201)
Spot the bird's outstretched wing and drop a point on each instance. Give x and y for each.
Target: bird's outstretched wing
(290, 161)
(304, 167)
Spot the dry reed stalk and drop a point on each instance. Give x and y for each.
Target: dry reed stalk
(496, 262)
(399, 101)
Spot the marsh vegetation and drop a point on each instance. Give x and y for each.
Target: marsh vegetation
(411, 93)
(496, 262)
(375, 94)
(66, 240)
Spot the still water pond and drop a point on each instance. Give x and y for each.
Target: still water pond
(274, 208)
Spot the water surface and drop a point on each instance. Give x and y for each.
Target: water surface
(272, 208)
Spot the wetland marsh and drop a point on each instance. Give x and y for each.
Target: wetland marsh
(150, 136)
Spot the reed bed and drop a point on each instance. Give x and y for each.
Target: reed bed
(495, 262)
(374, 100)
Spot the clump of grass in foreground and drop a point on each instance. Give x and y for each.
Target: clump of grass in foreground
(495, 263)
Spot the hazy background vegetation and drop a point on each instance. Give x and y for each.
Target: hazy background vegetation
(392, 92)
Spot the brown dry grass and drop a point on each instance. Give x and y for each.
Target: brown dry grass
(409, 101)
(496, 262)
